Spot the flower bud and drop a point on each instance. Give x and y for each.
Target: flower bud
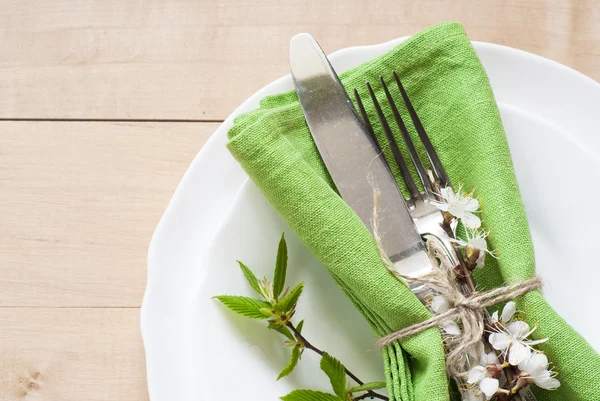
(494, 369)
(472, 254)
(448, 218)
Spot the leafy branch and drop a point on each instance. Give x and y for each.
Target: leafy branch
(278, 306)
(361, 385)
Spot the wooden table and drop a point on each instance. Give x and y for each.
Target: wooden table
(103, 104)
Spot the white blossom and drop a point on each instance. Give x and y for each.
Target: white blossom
(479, 374)
(451, 328)
(476, 240)
(440, 304)
(488, 385)
(509, 311)
(477, 353)
(460, 205)
(489, 359)
(536, 368)
(494, 318)
(512, 337)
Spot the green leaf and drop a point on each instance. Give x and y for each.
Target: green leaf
(336, 372)
(309, 395)
(291, 365)
(282, 330)
(252, 280)
(367, 387)
(280, 267)
(248, 307)
(268, 311)
(287, 303)
(300, 326)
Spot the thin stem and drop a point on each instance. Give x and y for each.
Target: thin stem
(520, 384)
(367, 395)
(305, 341)
(510, 378)
(307, 344)
(465, 271)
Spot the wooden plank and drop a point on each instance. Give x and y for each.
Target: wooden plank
(115, 59)
(79, 203)
(71, 355)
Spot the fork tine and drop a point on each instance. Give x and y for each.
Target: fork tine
(438, 168)
(410, 183)
(366, 120)
(408, 141)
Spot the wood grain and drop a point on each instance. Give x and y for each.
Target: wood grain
(50, 354)
(79, 204)
(199, 59)
(79, 200)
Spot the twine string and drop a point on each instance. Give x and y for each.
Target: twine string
(469, 311)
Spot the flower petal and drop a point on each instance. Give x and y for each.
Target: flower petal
(479, 243)
(489, 386)
(442, 206)
(536, 342)
(495, 317)
(476, 374)
(546, 381)
(447, 193)
(509, 311)
(518, 352)
(499, 341)
(456, 210)
(471, 204)
(439, 304)
(490, 359)
(453, 226)
(470, 220)
(523, 365)
(480, 262)
(518, 329)
(549, 384)
(537, 363)
(451, 328)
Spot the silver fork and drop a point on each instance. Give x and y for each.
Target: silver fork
(427, 217)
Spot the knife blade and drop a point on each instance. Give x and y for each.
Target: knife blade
(352, 159)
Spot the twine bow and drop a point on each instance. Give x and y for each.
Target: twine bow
(470, 311)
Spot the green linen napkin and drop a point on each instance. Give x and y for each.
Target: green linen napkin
(452, 95)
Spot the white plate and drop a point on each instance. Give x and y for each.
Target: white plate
(196, 350)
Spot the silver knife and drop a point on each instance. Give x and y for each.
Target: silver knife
(352, 159)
